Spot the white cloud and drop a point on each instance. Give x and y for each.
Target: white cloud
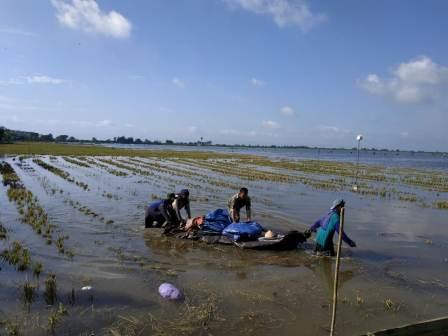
(270, 124)
(105, 123)
(416, 81)
(327, 128)
(176, 81)
(404, 134)
(87, 16)
(252, 133)
(42, 79)
(283, 12)
(287, 111)
(257, 82)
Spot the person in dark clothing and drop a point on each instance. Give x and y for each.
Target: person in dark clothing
(182, 201)
(161, 212)
(325, 228)
(237, 202)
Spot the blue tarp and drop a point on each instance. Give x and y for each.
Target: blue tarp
(243, 231)
(216, 221)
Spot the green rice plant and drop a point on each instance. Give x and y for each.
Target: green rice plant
(441, 205)
(391, 306)
(37, 269)
(29, 293)
(50, 293)
(60, 244)
(55, 317)
(3, 233)
(12, 329)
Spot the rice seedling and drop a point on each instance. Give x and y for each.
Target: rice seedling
(29, 293)
(60, 244)
(37, 269)
(50, 294)
(441, 205)
(55, 317)
(391, 306)
(59, 172)
(3, 233)
(17, 256)
(12, 328)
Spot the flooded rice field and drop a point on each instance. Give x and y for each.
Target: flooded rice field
(76, 259)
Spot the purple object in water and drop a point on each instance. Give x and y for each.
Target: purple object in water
(168, 291)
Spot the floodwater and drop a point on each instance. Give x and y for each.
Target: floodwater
(397, 274)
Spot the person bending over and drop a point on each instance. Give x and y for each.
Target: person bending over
(325, 228)
(237, 202)
(161, 213)
(182, 201)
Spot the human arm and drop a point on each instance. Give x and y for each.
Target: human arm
(345, 238)
(187, 208)
(176, 209)
(248, 210)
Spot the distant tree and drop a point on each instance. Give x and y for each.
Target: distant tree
(61, 138)
(47, 137)
(2, 133)
(94, 140)
(169, 142)
(72, 139)
(138, 141)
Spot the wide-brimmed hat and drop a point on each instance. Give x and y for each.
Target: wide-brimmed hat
(336, 203)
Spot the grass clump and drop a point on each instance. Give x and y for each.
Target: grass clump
(55, 317)
(3, 232)
(18, 256)
(37, 269)
(50, 293)
(442, 205)
(29, 293)
(391, 306)
(59, 172)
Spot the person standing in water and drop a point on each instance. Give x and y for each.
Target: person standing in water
(237, 202)
(325, 228)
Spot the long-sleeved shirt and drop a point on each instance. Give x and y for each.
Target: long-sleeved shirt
(178, 204)
(161, 208)
(326, 227)
(236, 203)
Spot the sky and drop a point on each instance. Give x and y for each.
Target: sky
(283, 72)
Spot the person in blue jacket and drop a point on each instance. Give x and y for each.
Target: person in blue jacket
(325, 228)
(161, 212)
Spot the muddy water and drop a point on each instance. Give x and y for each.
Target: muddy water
(402, 256)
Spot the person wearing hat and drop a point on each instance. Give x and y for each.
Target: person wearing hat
(325, 228)
(161, 213)
(181, 201)
(237, 202)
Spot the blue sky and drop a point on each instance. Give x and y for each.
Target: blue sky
(295, 72)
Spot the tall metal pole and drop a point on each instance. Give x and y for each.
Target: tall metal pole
(336, 274)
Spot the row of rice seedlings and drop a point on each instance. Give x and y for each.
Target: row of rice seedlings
(87, 211)
(441, 205)
(59, 172)
(76, 162)
(30, 211)
(9, 175)
(133, 170)
(111, 171)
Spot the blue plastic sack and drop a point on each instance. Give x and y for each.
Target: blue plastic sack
(215, 222)
(245, 231)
